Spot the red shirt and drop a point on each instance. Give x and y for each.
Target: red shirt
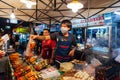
(47, 47)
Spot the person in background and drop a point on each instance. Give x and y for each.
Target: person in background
(65, 41)
(3, 61)
(11, 41)
(48, 47)
(2, 54)
(16, 38)
(23, 43)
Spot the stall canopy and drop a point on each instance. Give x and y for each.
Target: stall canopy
(54, 11)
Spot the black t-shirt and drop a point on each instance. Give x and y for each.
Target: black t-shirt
(55, 36)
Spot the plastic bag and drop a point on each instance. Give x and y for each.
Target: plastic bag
(30, 46)
(90, 70)
(95, 62)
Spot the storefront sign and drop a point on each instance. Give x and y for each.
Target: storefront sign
(93, 21)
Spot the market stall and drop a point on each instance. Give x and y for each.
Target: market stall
(33, 68)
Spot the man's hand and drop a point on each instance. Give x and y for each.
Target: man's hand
(71, 53)
(33, 36)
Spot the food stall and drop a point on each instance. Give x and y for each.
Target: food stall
(24, 68)
(32, 67)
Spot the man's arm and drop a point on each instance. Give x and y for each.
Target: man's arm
(40, 37)
(53, 46)
(71, 53)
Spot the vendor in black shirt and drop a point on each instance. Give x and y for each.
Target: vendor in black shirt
(66, 42)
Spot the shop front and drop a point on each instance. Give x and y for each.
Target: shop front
(101, 40)
(92, 29)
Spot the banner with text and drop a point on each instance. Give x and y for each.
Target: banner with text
(93, 21)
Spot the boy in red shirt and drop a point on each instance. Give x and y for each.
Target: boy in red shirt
(48, 47)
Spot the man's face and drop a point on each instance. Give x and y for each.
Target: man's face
(46, 33)
(64, 26)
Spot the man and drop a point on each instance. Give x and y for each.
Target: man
(2, 54)
(3, 61)
(48, 47)
(66, 42)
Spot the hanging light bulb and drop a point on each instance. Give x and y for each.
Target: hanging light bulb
(12, 15)
(75, 5)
